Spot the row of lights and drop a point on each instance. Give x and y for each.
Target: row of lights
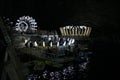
(75, 31)
(35, 44)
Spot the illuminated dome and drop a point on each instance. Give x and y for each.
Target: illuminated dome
(75, 31)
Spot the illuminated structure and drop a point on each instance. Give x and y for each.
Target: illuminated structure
(25, 23)
(75, 31)
(46, 46)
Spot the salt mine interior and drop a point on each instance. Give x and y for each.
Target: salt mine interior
(59, 40)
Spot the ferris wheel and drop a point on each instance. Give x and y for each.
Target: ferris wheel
(25, 23)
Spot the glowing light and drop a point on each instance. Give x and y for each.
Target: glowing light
(89, 31)
(23, 26)
(35, 44)
(76, 29)
(26, 41)
(43, 43)
(67, 27)
(57, 44)
(85, 33)
(61, 31)
(64, 31)
(73, 31)
(72, 41)
(70, 31)
(17, 29)
(49, 38)
(83, 27)
(50, 44)
(64, 43)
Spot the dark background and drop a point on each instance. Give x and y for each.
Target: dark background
(102, 16)
(55, 13)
